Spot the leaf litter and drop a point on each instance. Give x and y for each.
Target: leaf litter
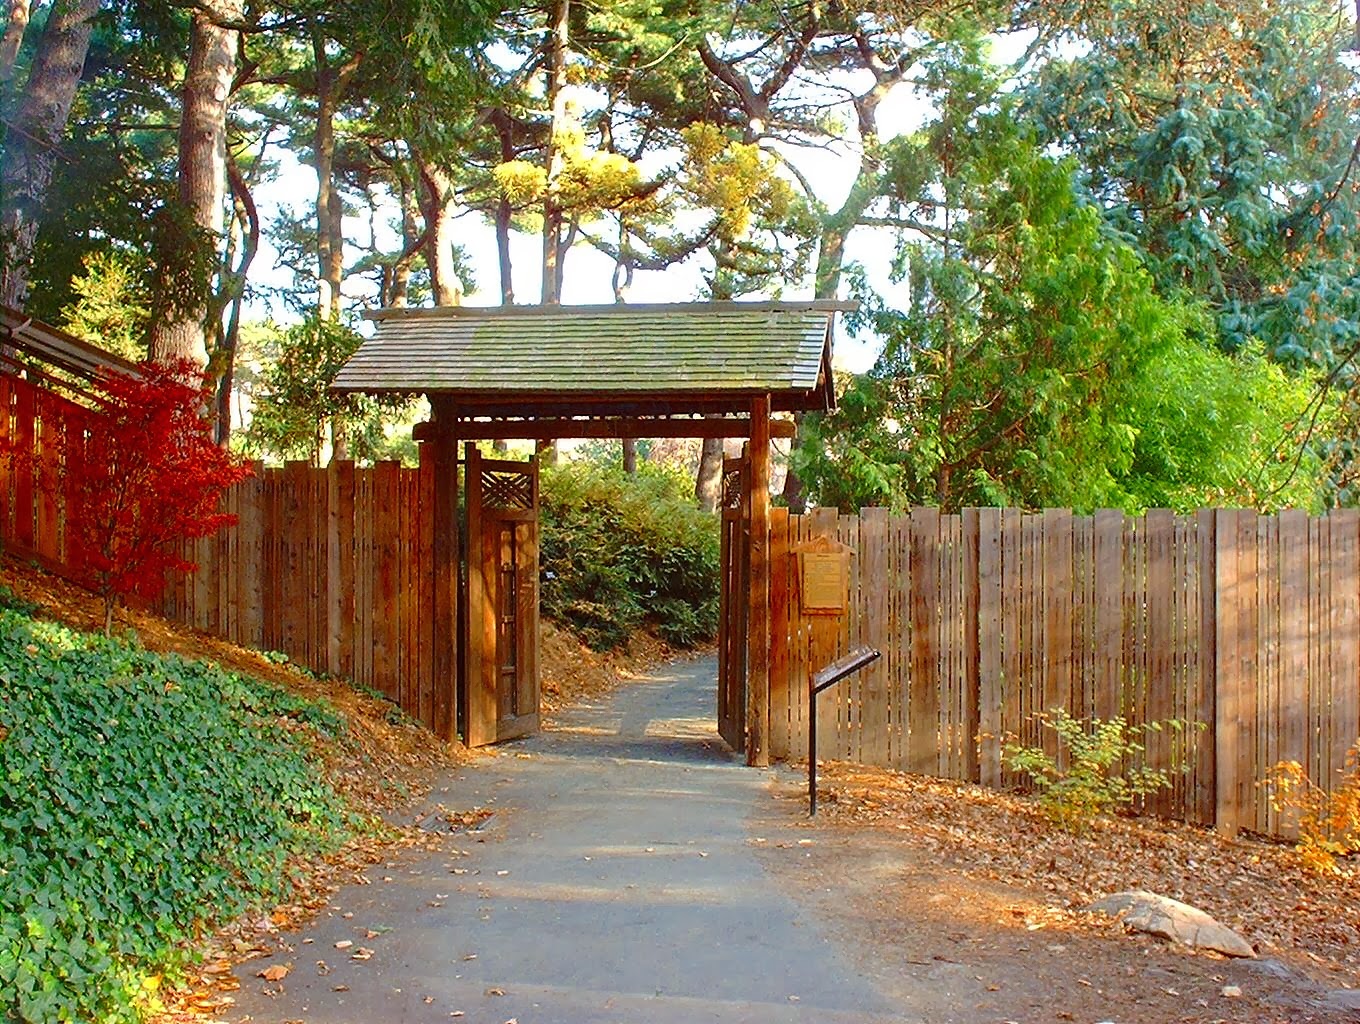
(1258, 887)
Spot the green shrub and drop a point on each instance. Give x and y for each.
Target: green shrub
(1092, 773)
(140, 795)
(620, 550)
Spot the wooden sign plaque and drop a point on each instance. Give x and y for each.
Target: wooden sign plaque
(823, 577)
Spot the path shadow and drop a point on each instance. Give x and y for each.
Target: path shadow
(668, 716)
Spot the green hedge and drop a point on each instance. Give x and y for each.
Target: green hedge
(140, 794)
(619, 550)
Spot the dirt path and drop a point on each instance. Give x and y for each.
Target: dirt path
(634, 871)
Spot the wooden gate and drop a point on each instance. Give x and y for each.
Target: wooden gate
(734, 601)
(500, 685)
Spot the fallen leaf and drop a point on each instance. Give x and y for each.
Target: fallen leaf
(275, 973)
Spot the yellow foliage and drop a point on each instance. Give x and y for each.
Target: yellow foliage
(704, 143)
(520, 181)
(1329, 823)
(733, 179)
(589, 179)
(595, 179)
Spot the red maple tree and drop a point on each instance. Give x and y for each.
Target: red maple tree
(148, 477)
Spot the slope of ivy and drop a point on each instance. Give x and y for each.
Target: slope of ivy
(140, 795)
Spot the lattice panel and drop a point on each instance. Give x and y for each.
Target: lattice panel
(507, 490)
(731, 489)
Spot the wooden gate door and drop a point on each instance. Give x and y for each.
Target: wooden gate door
(734, 601)
(501, 687)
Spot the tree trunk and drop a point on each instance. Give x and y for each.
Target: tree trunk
(410, 236)
(19, 11)
(558, 38)
(33, 139)
(708, 480)
(556, 63)
(708, 477)
(339, 439)
(329, 233)
(246, 220)
(331, 84)
(448, 290)
(835, 232)
(630, 455)
(794, 493)
(504, 212)
(181, 333)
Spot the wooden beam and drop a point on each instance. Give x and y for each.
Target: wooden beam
(758, 653)
(480, 668)
(533, 405)
(610, 427)
(444, 635)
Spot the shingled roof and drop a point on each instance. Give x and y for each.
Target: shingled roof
(56, 347)
(689, 357)
(54, 358)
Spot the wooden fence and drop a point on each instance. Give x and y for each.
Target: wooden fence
(1247, 624)
(46, 432)
(332, 567)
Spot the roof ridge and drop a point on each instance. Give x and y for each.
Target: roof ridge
(612, 309)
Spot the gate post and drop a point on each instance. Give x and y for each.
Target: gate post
(444, 636)
(758, 653)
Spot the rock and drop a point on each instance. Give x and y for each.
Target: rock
(1231, 992)
(1174, 920)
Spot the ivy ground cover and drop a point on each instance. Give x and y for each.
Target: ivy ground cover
(142, 796)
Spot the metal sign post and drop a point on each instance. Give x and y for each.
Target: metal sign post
(817, 682)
